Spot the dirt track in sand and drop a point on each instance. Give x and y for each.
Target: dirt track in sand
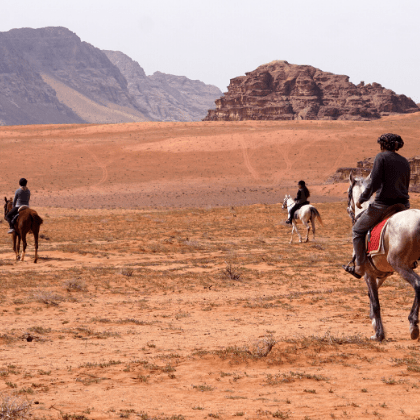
(188, 164)
(170, 313)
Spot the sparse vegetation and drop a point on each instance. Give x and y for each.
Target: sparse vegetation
(14, 407)
(218, 306)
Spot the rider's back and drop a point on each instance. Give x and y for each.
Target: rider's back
(390, 178)
(22, 196)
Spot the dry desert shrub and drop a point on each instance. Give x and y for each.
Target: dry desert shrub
(75, 285)
(262, 347)
(14, 408)
(128, 272)
(231, 271)
(47, 297)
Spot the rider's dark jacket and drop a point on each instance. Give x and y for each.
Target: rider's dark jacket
(390, 179)
(302, 196)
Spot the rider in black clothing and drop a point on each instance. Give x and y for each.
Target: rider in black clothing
(300, 200)
(390, 179)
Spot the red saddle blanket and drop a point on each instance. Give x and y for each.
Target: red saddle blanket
(374, 237)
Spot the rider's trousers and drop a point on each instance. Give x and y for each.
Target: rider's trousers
(368, 219)
(12, 213)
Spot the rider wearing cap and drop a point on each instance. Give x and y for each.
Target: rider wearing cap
(390, 179)
(22, 196)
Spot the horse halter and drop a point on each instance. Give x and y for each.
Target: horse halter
(350, 204)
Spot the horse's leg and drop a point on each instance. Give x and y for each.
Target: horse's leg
(308, 228)
(296, 229)
(35, 232)
(18, 247)
(411, 277)
(24, 244)
(375, 309)
(313, 226)
(15, 239)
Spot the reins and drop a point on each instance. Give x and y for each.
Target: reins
(350, 211)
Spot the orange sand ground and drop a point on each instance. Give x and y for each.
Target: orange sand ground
(179, 295)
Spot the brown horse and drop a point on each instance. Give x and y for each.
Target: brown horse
(28, 221)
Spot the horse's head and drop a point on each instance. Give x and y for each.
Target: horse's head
(285, 201)
(357, 186)
(7, 206)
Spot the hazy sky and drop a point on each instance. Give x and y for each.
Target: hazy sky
(216, 40)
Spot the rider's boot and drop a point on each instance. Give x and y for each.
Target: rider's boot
(12, 223)
(358, 270)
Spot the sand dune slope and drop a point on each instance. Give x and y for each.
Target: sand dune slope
(189, 164)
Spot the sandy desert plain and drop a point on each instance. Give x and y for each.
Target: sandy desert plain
(167, 288)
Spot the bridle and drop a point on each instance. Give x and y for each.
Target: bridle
(351, 204)
(286, 198)
(6, 210)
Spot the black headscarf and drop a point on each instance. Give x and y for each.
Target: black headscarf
(391, 142)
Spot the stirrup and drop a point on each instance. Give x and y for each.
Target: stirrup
(352, 270)
(11, 230)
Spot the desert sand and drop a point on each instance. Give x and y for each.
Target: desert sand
(167, 288)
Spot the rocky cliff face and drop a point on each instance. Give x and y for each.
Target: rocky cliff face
(283, 91)
(364, 167)
(165, 97)
(24, 97)
(49, 75)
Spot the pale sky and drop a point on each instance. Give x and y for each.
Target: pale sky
(216, 40)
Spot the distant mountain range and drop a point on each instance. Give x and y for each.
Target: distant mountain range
(49, 76)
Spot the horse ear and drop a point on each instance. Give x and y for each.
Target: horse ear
(352, 180)
(5, 199)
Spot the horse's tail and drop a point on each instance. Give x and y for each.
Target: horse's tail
(315, 213)
(36, 219)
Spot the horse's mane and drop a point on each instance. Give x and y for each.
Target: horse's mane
(361, 181)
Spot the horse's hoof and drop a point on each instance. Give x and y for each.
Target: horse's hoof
(414, 332)
(377, 337)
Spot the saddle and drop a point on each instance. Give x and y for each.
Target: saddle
(375, 236)
(14, 220)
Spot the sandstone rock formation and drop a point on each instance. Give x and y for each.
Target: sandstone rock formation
(365, 166)
(49, 75)
(165, 97)
(283, 91)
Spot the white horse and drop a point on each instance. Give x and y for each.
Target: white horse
(401, 252)
(306, 213)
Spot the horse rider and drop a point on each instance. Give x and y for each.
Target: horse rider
(390, 179)
(300, 200)
(22, 196)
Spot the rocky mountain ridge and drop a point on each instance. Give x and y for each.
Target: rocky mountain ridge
(49, 75)
(283, 91)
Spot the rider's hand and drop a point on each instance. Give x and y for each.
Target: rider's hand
(358, 205)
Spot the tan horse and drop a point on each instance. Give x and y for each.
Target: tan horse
(28, 221)
(401, 252)
(306, 214)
